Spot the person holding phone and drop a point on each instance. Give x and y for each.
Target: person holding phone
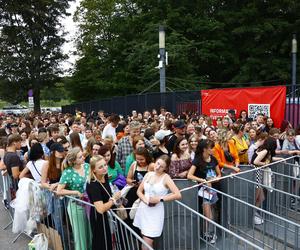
(240, 142)
(153, 192)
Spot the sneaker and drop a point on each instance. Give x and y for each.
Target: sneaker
(257, 219)
(210, 238)
(5, 203)
(213, 238)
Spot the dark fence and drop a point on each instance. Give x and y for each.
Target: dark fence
(175, 102)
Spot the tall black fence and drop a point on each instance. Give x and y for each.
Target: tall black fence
(175, 102)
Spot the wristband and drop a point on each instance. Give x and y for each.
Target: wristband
(113, 200)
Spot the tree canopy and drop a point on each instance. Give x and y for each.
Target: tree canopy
(30, 46)
(206, 40)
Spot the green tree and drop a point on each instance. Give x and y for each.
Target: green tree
(207, 40)
(30, 46)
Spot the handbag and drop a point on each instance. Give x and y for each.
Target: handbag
(39, 242)
(134, 208)
(267, 178)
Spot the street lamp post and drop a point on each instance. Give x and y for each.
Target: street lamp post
(162, 59)
(294, 60)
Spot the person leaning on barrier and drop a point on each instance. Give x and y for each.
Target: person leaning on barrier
(205, 168)
(72, 182)
(35, 163)
(260, 138)
(289, 144)
(225, 151)
(240, 142)
(264, 155)
(100, 195)
(51, 173)
(11, 159)
(180, 160)
(153, 192)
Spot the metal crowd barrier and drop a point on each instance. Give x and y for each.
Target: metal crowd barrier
(68, 227)
(184, 228)
(280, 228)
(66, 224)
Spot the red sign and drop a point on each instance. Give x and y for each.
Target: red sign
(270, 101)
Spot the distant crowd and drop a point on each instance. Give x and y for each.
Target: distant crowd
(100, 154)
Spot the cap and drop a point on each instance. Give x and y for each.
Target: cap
(57, 147)
(179, 124)
(161, 134)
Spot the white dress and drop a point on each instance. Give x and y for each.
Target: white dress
(150, 220)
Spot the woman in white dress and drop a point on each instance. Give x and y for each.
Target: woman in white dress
(153, 192)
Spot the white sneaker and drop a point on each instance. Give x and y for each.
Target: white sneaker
(258, 220)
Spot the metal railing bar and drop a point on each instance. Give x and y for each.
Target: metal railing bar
(218, 226)
(253, 206)
(267, 187)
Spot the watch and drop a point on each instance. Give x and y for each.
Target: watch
(161, 200)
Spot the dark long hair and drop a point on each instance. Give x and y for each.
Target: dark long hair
(176, 149)
(270, 145)
(53, 172)
(103, 150)
(75, 140)
(203, 144)
(36, 152)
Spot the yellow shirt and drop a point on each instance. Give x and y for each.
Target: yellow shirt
(241, 146)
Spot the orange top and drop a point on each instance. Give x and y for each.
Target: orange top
(219, 154)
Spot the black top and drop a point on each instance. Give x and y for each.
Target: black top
(99, 222)
(157, 153)
(203, 168)
(24, 149)
(11, 160)
(171, 143)
(49, 143)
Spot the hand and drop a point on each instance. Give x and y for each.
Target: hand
(51, 187)
(117, 195)
(183, 174)
(80, 195)
(236, 169)
(154, 200)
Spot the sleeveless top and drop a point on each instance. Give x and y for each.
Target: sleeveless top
(155, 189)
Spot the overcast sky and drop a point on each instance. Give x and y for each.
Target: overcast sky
(71, 28)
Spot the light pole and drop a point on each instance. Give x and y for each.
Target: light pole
(294, 61)
(162, 59)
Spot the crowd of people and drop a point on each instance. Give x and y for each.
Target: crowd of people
(100, 155)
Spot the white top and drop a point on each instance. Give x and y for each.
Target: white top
(35, 169)
(150, 220)
(109, 130)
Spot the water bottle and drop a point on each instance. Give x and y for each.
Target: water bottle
(139, 177)
(114, 189)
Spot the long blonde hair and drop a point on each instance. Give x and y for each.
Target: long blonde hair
(223, 137)
(93, 162)
(71, 157)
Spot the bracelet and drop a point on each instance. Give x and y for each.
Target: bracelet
(113, 200)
